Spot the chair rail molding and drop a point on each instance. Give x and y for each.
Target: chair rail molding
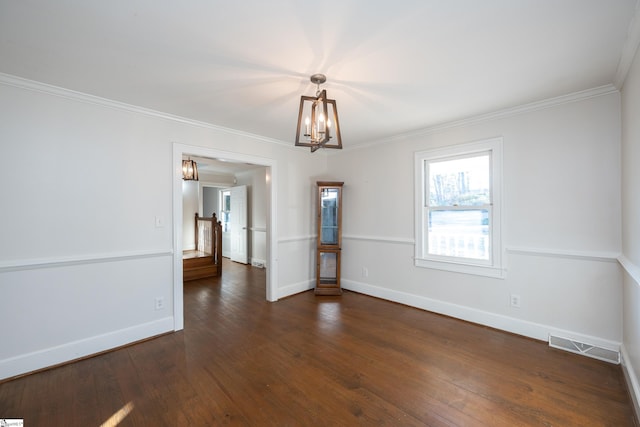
(32, 264)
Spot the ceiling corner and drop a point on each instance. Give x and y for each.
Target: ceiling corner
(629, 49)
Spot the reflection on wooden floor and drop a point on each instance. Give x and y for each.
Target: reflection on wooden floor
(313, 360)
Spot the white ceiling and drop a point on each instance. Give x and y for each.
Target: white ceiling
(392, 66)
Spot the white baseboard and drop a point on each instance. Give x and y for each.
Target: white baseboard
(498, 321)
(295, 288)
(632, 380)
(41, 359)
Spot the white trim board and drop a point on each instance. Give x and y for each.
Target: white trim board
(19, 82)
(61, 92)
(631, 269)
(505, 323)
(629, 49)
(525, 251)
(558, 253)
(380, 239)
(297, 238)
(296, 288)
(630, 377)
(32, 264)
(79, 349)
(500, 114)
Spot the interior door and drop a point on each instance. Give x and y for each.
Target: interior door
(238, 225)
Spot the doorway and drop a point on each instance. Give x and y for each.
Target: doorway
(271, 185)
(238, 250)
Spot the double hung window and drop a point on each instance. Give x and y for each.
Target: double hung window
(458, 200)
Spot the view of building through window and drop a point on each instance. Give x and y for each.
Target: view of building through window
(459, 207)
(458, 199)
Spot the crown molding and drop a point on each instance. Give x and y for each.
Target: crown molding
(629, 49)
(499, 114)
(32, 85)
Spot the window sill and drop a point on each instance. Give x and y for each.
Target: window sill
(477, 270)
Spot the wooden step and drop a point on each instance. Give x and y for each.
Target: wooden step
(199, 272)
(197, 262)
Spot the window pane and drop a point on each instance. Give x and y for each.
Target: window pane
(225, 221)
(460, 182)
(459, 233)
(226, 204)
(224, 212)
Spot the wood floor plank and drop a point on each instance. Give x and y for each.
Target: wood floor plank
(309, 360)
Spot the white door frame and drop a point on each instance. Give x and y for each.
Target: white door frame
(272, 236)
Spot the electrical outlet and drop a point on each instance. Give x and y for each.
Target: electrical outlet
(365, 272)
(515, 301)
(159, 221)
(159, 303)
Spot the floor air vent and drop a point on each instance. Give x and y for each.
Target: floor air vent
(589, 350)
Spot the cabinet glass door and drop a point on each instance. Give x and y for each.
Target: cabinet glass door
(329, 224)
(329, 216)
(328, 267)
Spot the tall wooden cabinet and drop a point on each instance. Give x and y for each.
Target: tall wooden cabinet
(329, 244)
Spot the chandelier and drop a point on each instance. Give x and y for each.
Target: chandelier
(318, 119)
(189, 170)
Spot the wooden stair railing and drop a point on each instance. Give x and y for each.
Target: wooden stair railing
(208, 238)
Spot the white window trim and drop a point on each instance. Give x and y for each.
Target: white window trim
(461, 265)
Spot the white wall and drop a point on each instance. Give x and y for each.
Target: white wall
(630, 257)
(83, 275)
(561, 222)
(211, 201)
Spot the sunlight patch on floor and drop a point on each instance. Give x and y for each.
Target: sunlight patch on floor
(120, 415)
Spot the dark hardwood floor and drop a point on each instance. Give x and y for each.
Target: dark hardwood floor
(321, 361)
